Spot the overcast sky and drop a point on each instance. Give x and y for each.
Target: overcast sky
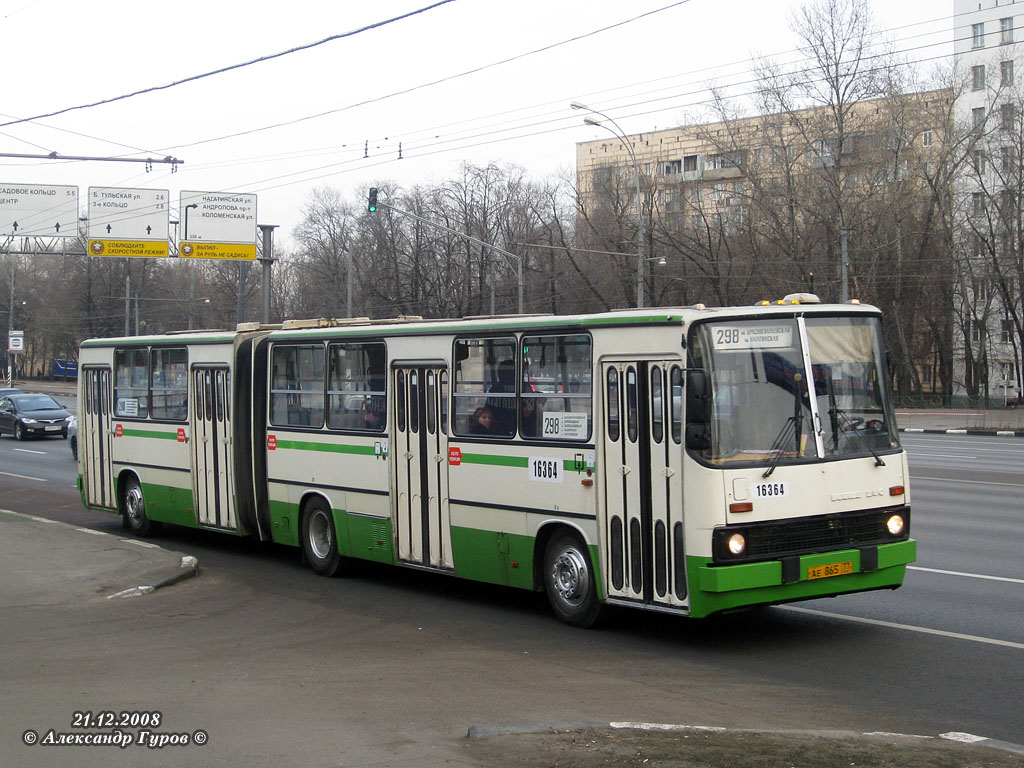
(347, 104)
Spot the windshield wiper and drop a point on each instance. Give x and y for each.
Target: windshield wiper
(842, 421)
(796, 421)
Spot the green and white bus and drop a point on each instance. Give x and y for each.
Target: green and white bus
(689, 460)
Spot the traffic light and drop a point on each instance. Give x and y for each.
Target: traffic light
(372, 206)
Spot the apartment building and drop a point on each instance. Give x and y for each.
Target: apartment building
(990, 71)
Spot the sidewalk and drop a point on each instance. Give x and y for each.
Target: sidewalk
(44, 562)
(1004, 423)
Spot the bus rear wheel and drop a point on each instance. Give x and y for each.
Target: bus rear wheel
(569, 580)
(319, 540)
(133, 510)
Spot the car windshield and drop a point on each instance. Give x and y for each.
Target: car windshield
(775, 401)
(37, 403)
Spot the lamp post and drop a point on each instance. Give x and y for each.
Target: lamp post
(640, 235)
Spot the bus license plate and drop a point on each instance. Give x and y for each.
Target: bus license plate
(832, 569)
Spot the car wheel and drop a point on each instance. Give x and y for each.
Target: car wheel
(569, 580)
(19, 432)
(133, 510)
(319, 541)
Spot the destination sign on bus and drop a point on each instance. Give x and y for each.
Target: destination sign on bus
(746, 336)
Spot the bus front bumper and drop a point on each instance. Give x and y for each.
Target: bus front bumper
(801, 577)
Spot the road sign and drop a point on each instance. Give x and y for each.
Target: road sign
(15, 341)
(128, 222)
(38, 210)
(217, 225)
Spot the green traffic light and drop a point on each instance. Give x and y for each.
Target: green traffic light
(372, 205)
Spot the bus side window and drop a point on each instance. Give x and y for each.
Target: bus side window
(657, 405)
(631, 405)
(612, 389)
(676, 387)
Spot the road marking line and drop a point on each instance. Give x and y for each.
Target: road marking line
(921, 478)
(968, 575)
(138, 543)
(42, 519)
(941, 455)
(89, 530)
(907, 627)
(24, 477)
(28, 450)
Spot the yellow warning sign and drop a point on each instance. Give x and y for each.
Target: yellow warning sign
(194, 250)
(150, 249)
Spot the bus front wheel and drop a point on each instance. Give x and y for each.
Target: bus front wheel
(319, 541)
(569, 580)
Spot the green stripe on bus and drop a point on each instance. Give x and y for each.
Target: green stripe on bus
(495, 461)
(148, 433)
(303, 445)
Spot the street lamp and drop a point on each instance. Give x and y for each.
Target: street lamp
(640, 235)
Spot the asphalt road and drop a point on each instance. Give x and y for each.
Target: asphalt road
(398, 663)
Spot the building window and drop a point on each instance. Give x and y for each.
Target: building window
(1008, 160)
(689, 163)
(976, 332)
(978, 117)
(1006, 330)
(926, 138)
(1007, 115)
(1006, 73)
(675, 166)
(979, 161)
(977, 203)
(977, 77)
(978, 35)
(1006, 30)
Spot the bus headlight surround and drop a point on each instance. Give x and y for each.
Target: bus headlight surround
(737, 544)
(895, 524)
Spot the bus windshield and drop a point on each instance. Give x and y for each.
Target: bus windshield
(790, 390)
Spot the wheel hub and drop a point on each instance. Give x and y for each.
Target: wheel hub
(571, 576)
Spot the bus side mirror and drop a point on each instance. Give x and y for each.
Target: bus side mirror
(698, 398)
(698, 411)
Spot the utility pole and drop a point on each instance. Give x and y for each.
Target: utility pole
(267, 260)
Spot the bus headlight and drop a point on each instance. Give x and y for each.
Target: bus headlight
(737, 544)
(895, 524)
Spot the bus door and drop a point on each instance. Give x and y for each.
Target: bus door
(212, 476)
(420, 456)
(94, 437)
(645, 557)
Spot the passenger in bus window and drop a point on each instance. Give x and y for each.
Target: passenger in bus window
(373, 420)
(529, 420)
(504, 408)
(482, 421)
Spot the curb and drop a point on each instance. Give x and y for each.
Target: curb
(977, 432)
(483, 731)
(187, 568)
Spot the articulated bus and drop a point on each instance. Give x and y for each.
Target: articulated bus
(688, 460)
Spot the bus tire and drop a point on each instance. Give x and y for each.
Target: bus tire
(319, 539)
(569, 580)
(133, 510)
